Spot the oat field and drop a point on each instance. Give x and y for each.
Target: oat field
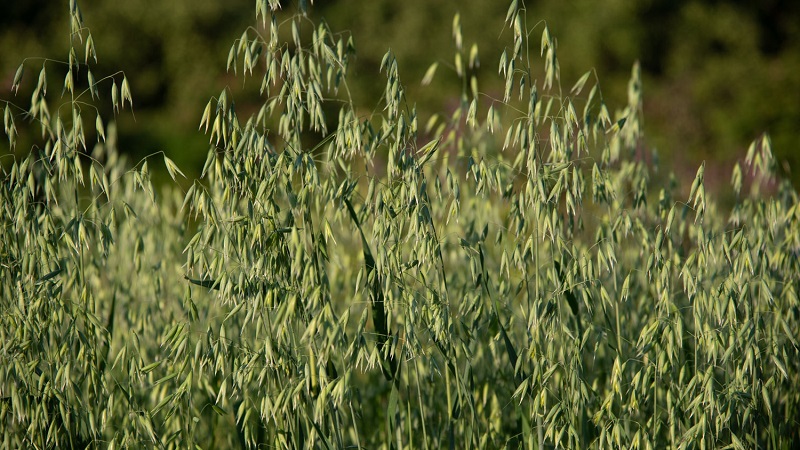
(514, 272)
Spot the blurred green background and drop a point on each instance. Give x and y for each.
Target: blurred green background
(716, 73)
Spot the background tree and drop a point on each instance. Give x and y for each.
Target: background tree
(717, 89)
